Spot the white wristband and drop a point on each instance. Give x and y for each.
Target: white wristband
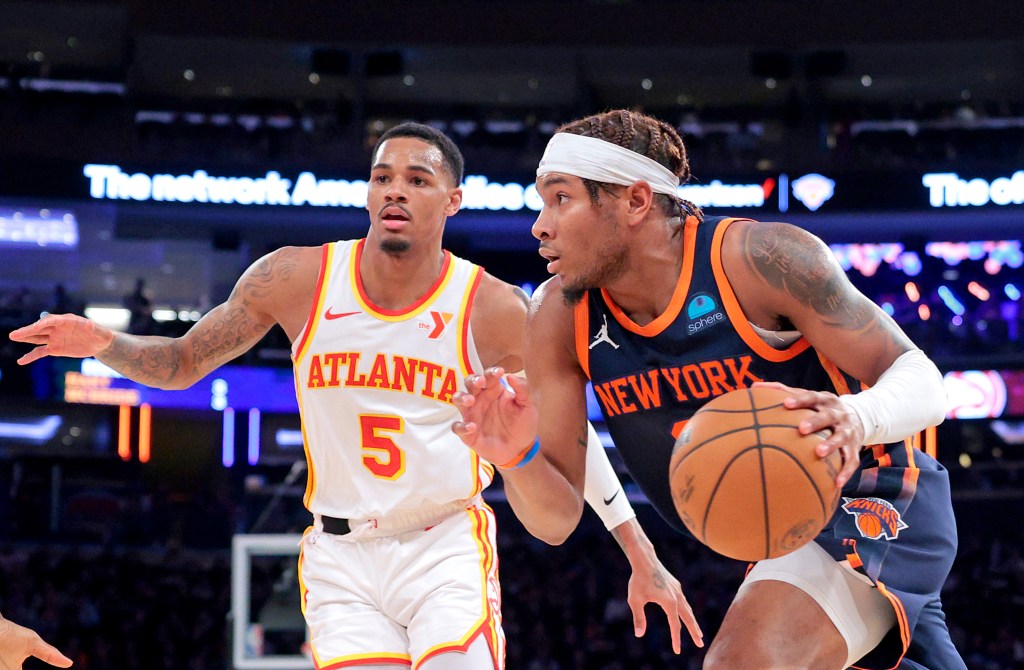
(601, 488)
(906, 399)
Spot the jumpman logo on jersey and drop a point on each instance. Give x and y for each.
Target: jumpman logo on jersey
(602, 335)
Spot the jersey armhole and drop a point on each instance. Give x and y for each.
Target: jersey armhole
(581, 330)
(465, 338)
(306, 333)
(735, 312)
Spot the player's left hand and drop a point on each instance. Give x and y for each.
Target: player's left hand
(830, 414)
(651, 582)
(18, 643)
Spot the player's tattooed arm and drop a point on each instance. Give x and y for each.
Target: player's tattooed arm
(225, 332)
(521, 294)
(790, 259)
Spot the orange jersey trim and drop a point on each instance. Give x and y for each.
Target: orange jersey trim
(838, 380)
(931, 443)
(466, 364)
(361, 659)
(901, 620)
(735, 311)
(309, 330)
(675, 304)
(581, 323)
(446, 648)
(303, 591)
(467, 307)
(895, 602)
(311, 479)
(396, 314)
(326, 257)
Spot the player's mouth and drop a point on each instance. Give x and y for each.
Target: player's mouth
(551, 257)
(394, 217)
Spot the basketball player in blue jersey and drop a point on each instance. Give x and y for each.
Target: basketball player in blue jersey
(398, 568)
(662, 309)
(18, 643)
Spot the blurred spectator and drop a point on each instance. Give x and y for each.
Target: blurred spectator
(63, 302)
(141, 309)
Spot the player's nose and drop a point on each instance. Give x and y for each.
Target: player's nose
(395, 192)
(541, 229)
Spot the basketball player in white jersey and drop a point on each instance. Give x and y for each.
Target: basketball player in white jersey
(399, 567)
(18, 643)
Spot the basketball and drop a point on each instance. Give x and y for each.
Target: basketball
(746, 483)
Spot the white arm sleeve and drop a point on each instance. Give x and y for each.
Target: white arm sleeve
(906, 399)
(602, 488)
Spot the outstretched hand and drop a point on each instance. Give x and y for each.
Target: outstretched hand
(62, 335)
(18, 643)
(653, 583)
(830, 414)
(498, 423)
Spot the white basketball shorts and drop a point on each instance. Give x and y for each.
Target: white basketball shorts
(383, 596)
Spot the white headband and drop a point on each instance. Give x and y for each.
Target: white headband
(592, 158)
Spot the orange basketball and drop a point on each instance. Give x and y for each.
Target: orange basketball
(746, 483)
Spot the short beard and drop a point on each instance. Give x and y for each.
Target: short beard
(613, 268)
(572, 295)
(395, 247)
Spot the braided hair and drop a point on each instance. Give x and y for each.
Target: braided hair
(648, 137)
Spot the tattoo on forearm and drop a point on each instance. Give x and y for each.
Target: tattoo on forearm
(152, 361)
(224, 338)
(225, 332)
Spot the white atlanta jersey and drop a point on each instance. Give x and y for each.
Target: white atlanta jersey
(375, 391)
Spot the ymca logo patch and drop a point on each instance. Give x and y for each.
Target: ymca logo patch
(875, 518)
(437, 324)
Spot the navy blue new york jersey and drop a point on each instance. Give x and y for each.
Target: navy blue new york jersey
(649, 380)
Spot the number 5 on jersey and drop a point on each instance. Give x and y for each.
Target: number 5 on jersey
(381, 455)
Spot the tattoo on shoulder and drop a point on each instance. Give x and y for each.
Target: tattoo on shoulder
(265, 274)
(521, 294)
(780, 254)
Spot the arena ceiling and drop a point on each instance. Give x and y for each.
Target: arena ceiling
(558, 54)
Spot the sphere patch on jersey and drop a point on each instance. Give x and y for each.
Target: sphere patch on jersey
(700, 305)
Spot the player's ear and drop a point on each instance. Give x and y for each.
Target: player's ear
(639, 198)
(454, 201)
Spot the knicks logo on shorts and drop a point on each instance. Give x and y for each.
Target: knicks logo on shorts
(875, 518)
